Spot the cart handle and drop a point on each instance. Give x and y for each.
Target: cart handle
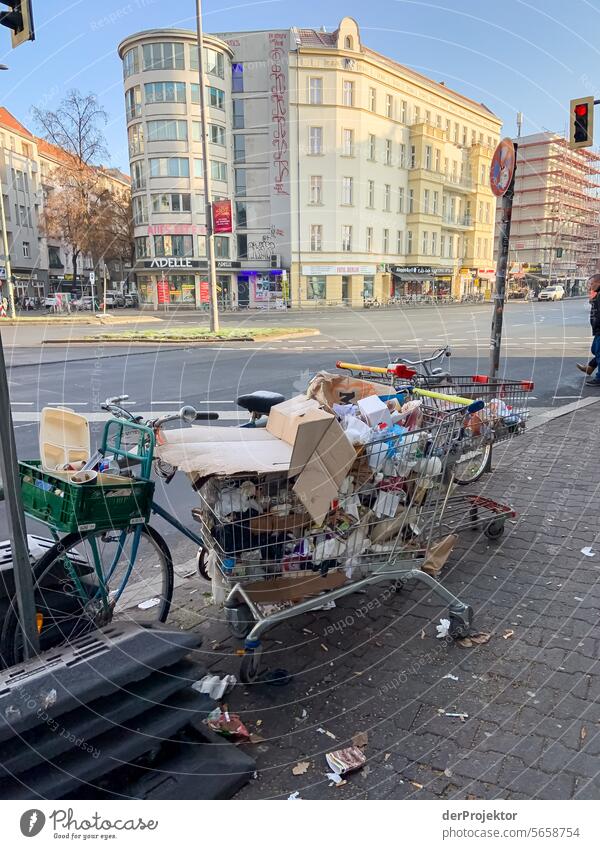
(358, 367)
(471, 405)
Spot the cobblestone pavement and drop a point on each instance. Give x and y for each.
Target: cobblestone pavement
(531, 693)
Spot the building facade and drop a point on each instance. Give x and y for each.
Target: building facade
(555, 229)
(351, 176)
(40, 265)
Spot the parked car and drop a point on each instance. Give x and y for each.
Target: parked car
(132, 300)
(551, 293)
(114, 299)
(58, 301)
(86, 302)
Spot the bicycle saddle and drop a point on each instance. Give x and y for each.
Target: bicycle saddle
(260, 401)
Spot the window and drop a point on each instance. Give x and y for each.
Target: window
(369, 240)
(241, 213)
(411, 201)
(175, 202)
(238, 114)
(316, 237)
(348, 93)
(240, 181)
(173, 246)
(372, 99)
(371, 194)
(216, 134)
(389, 106)
(316, 190)
(434, 244)
(237, 77)
(202, 242)
(426, 201)
(140, 210)
(403, 111)
(135, 135)
(480, 212)
(465, 135)
(214, 62)
(131, 63)
(138, 177)
(218, 170)
(436, 198)
(442, 245)
(163, 57)
(446, 165)
(216, 97)
(242, 246)
(387, 198)
(315, 141)
(428, 157)
(480, 138)
(167, 131)
(427, 116)
(437, 160)
(372, 147)
(489, 141)
(425, 243)
(438, 122)
(402, 162)
(487, 213)
(347, 142)
(448, 125)
(399, 242)
(141, 247)
(388, 152)
(456, 132)
(348, 42)
(26, 253)
(133, 103)
(386, 241)
(473, 136)
(168, 92)
(315, 90)
(221, 247)
(347, 190)
(315, 288)
(239, 148)
(347, 237)
(401, 199)
(482, 174)
(198, 168)
(409, 242)
(413, 156)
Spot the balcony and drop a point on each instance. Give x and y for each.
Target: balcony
(457, 222)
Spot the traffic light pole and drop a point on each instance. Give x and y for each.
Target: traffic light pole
(501, 273)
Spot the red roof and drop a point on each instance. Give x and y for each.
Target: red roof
(10, 122)
(46, 148)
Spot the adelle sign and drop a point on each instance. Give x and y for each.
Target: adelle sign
(175, 262)
(221, 210)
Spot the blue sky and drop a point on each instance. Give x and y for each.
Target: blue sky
(527, 55)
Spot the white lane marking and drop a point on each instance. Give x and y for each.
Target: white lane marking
(180, 402)
(22, 403)
(67, 403)
(563, 397)
(224, 415)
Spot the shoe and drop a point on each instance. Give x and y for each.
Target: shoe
(592, 382)
(584, 369)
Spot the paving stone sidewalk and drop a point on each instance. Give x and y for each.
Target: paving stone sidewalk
(532, 699)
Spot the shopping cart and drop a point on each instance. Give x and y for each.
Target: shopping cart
(271, 561)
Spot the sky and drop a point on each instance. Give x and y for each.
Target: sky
(516, 55)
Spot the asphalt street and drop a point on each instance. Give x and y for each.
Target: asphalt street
(541, 342)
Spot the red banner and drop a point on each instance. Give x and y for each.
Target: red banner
(222, 216)
(162, 291)
(204, 292)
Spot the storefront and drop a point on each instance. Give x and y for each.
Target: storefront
(262, 288)
(421, 281)
(336, 284)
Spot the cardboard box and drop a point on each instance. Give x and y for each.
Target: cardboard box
(374, 410)
(285, 418)
(294, 523)
(329, 389)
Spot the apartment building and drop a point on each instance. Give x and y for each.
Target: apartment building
(351, 175)
(39, 265)
(555, 229)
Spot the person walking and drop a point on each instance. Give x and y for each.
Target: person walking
(594, 299)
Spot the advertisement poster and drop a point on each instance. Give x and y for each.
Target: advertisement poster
(204, 292)
(162, 291)
(222, 216)
(266, 289)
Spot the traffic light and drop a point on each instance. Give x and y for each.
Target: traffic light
(19, 20)
(582, 122)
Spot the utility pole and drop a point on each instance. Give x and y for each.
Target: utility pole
(104, 284)
(210, 246)
(7, 264)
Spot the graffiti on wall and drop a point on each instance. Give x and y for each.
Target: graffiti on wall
(265, 246)
(277, 72)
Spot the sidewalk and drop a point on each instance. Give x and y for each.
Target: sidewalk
(373, 664)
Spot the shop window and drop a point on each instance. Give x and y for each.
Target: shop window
(173, 246)
(316, 288)
(368, 287)
(221, 247)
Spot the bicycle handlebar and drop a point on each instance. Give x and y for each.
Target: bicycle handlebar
(435, 356)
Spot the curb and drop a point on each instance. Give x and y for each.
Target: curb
(93, 340)
(544, 418)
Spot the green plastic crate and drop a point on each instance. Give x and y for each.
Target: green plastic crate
(72, 507)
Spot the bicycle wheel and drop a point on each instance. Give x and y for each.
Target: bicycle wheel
(88, 579)
(472, 463)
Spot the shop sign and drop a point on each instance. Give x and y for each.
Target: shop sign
(174, 262)
(227, 263)
(221, 210)
(421, 269)
(176, 230)
(324, 270)
(162, 291)
(532, 267)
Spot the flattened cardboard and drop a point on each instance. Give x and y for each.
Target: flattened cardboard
(294, 587)
(270, 522)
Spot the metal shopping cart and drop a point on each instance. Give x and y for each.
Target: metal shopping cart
(271, 561)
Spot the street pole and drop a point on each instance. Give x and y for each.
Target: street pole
(500, 293)
(210, 247)
(9, 477)
(7, 265)
(104, 292)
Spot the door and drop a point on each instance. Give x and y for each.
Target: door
(345, 285)
(243, 292)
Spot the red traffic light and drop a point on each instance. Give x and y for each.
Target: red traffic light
(581, 109)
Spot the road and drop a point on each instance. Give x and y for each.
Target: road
(542, 342)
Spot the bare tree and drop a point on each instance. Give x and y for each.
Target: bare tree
(76, 127)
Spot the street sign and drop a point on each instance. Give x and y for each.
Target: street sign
(502, 167)
(92, 278)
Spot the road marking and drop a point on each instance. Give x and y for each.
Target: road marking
(224, 415)
(67, 403)
(564, 397)
(22, 403)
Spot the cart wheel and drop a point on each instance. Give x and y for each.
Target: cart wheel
(250, 666)
(460, 624)
(474, 517)
(495, 529)
(201, 565)
(240, 620)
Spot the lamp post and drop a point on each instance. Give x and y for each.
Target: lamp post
(210, 246)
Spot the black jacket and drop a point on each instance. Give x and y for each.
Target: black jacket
(595, 315)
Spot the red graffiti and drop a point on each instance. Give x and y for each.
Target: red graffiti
(277, 58)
